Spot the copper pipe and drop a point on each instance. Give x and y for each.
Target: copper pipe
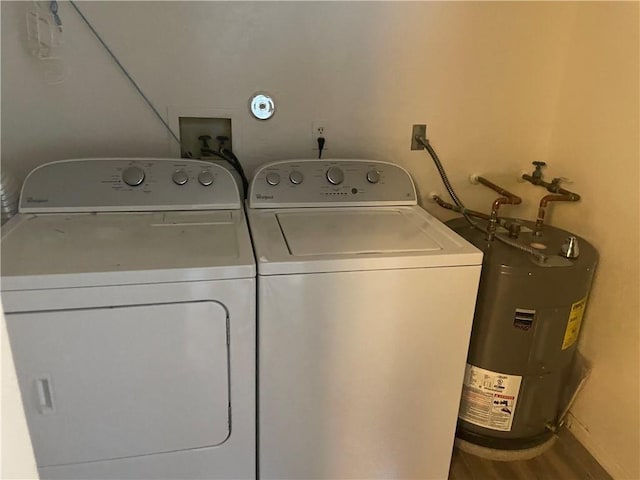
(553, 187)
(455, 208)
(507, 198)
(572, 197)
(562, 195)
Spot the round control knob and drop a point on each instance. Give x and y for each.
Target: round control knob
(335, 175)
(180, 177)
(296, 177)
(205, 178)
(273, 178)
(133, 176)
(373, 176)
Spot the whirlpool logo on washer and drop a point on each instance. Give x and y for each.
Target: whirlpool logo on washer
(259, 196)
(37, 200)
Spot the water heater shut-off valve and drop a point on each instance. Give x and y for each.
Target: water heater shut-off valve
(537, 173)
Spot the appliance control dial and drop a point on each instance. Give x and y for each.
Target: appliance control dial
(133, 176)
(180, 177)
(373, 176)
(205, 178)
(296, 177)
(273, 178)
(335, 175)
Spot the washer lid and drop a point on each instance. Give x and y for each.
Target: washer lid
(305, 240)
(71, 250)
(344, 232)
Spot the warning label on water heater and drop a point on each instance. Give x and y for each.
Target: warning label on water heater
(489, 398)
(573, 324)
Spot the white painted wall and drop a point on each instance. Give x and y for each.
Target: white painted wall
(494, 82)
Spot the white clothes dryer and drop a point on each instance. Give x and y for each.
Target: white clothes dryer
(365, 304)
(128, 287)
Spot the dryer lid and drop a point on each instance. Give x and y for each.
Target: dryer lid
(80, 249)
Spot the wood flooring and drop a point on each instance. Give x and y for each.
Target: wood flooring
(567, 459)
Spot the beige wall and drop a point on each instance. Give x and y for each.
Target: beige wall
(596, 137)
(499, 84)
(482, 76)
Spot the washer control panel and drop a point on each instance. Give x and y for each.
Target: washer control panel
(307, 183)
(128, 184)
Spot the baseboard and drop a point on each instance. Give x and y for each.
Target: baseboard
(594, 448)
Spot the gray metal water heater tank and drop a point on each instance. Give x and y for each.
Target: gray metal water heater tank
(525, 330)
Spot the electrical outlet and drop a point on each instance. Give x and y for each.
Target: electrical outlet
(420, 131)
(318, 129)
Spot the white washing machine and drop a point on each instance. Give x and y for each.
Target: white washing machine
(365, 303)
(129, 292)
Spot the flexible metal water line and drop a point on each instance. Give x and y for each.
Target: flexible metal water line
(455, 208)
(541, 257)
(443, 175)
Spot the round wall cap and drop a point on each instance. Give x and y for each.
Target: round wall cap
(262, 106)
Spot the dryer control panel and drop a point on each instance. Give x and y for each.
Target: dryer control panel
(128, 184)
(319, 183)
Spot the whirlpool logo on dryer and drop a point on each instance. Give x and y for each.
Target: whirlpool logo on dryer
(37, 200)
(264, 197)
